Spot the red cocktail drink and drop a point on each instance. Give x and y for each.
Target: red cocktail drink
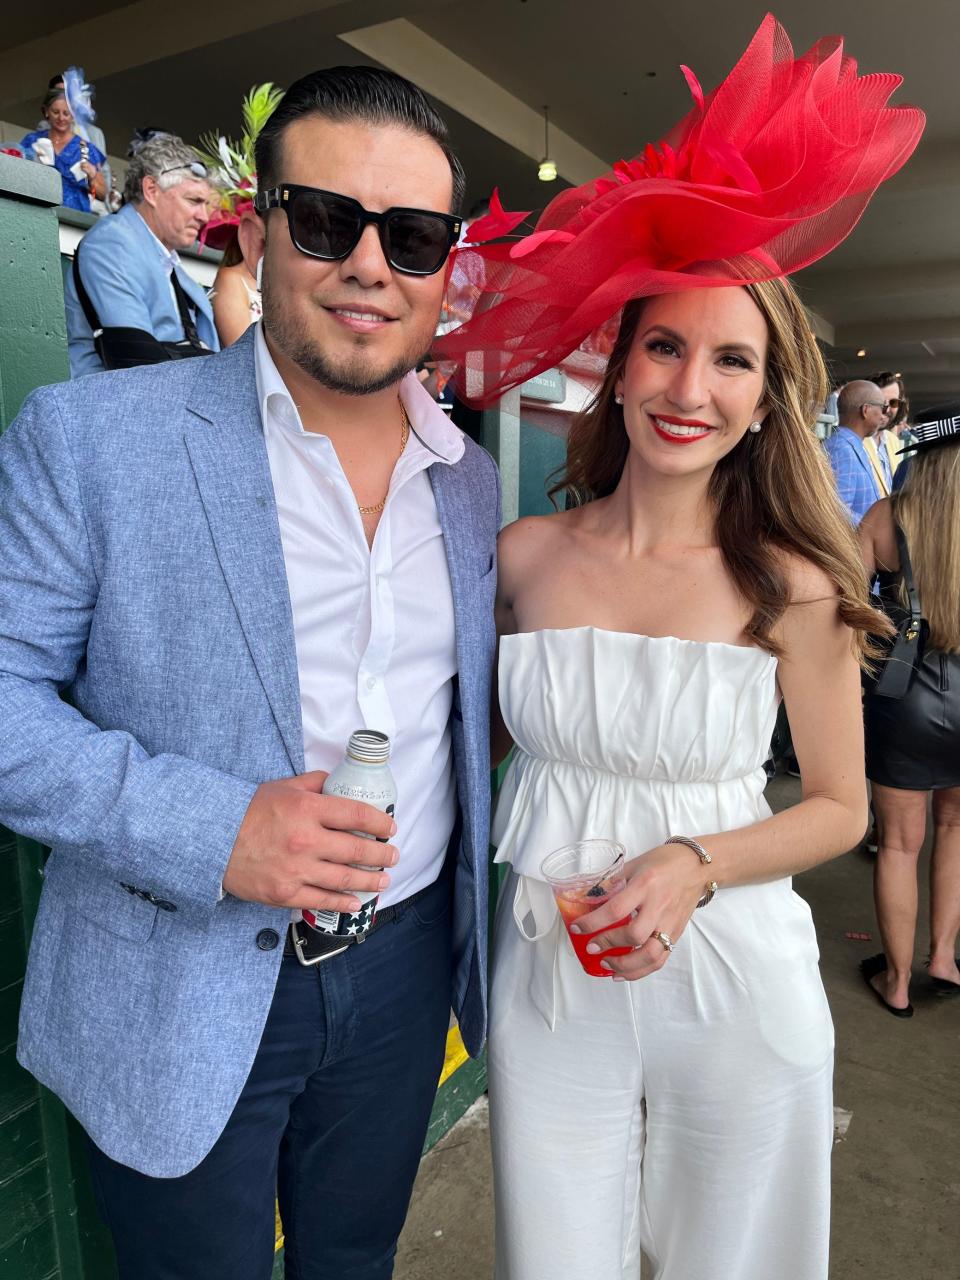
(583, 876)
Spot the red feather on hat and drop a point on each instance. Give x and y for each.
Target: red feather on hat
(765, 175)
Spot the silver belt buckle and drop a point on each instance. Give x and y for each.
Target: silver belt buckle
(299, 943)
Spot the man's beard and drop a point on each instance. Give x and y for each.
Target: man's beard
(352, 377)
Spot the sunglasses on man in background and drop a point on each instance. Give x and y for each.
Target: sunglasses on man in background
(196, 167)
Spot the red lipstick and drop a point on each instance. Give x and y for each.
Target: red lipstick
(680, 422)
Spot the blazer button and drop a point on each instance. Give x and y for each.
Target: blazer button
(268, 939)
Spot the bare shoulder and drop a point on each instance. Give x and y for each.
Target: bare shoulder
(229, 280)
(878, 518)
(811, 628)
(807, 583)
(526, 545)
(530, 537)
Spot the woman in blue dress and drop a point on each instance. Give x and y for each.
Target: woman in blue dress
(78, 162)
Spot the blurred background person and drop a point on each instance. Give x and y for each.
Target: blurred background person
(235, 296)
(884, 447)
(79, 97)
(127, 273)
(79, 162)
(913, 742)
(861, 414)
(236, 290)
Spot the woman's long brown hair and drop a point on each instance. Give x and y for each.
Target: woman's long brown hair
(926, 509)
(773, 493)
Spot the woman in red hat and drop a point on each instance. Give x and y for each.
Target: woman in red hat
(702, 571)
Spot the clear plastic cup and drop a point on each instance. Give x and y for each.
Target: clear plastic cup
(583, 876)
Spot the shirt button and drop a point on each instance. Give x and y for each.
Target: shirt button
(371, 682)
(268, 939)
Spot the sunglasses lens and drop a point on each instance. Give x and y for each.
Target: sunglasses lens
(893, 404)
(324, 225)
(417, 242)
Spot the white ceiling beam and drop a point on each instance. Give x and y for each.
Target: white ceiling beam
(907, 364)
(876, 333)
(821, 326)
(134, 35)
(888, 281)
(410, 52)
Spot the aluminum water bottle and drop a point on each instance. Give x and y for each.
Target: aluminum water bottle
(363, 774)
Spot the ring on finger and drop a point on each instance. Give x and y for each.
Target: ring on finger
(663, 939)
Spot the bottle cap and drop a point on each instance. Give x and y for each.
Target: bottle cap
(369, 746)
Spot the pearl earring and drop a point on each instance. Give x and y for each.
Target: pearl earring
(618, 398)
(755, 427)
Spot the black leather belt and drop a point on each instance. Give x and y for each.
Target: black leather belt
(311, 947)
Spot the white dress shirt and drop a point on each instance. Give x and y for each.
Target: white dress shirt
(373, 625)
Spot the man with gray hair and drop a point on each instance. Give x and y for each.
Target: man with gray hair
(862, 412)
(128, 277)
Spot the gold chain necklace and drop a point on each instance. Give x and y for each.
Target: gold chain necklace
(404, 436)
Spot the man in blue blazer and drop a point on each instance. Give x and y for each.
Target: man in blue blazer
(129, 264)
(861, 410)
(205, 587)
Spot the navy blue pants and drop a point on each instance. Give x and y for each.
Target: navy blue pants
(332, 1118)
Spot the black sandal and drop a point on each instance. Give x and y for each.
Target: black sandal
(943, 986)
(870, 968)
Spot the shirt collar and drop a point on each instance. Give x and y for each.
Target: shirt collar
(428, 422)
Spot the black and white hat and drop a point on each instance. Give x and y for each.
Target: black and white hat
(935, 427)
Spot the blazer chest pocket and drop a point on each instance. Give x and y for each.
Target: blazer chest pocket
(486, 564)
(121, 910)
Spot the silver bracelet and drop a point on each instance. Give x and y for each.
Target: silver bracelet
(704, 857)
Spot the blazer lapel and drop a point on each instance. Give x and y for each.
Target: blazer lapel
(196, 294)
(229, 459)
(451, 489)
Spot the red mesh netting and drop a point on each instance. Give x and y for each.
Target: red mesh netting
(764, 176)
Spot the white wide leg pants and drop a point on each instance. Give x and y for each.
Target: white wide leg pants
(688, 1115)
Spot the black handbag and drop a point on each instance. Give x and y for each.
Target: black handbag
(121, 347)
(906, 649)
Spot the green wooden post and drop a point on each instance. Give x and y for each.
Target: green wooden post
(33, 331)
(48, 1229)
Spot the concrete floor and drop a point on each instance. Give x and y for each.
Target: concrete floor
(896, 1174)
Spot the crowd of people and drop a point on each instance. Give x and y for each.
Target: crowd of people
(898, 483)
(266, 547)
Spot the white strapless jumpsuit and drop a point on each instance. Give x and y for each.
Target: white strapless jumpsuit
(687, 1114)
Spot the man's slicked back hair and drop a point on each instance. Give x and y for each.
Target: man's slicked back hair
(366, 94)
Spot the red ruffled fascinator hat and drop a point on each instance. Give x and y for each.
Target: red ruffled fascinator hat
(765, 175)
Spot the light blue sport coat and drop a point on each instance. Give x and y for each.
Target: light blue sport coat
(142, 577)
(853, 472)
(124, 271)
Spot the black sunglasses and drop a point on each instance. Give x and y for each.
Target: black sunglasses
(329, 226)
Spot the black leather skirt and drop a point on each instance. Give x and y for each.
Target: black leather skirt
(913, 742)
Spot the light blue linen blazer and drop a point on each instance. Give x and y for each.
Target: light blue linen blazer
(127, 276)
(148, 683)
(856, 483)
